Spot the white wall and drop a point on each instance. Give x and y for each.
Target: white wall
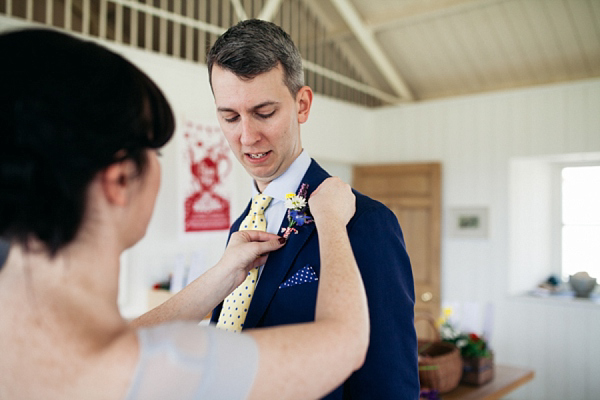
(475, 138)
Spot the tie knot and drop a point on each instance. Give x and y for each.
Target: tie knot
(260, 202)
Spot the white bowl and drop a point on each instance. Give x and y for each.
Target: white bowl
(582, 284)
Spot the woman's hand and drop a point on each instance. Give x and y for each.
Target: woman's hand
(247, 250)
(332, 202)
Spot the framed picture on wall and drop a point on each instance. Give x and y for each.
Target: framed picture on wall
(469, 222)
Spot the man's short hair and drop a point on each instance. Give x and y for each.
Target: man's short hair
(253, 47)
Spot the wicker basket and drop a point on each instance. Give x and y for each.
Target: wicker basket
(440, 363)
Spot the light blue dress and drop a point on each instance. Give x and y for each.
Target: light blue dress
(185, 361)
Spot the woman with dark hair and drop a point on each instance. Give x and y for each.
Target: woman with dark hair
(79, 132)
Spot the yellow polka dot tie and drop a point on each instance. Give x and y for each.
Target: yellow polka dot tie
(235, 306)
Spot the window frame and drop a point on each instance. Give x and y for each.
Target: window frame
(557, 218)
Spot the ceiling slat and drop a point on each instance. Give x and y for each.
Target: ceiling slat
(565, 39)
(468, 46)
(505, 40)
(419, 69)
(492, 57)
(520, 31)
(581, 18)
(538, 51)
(595, 13)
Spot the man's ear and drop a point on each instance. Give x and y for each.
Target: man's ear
(116, 180)
(304, 99)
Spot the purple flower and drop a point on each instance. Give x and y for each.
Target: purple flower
(429, 394)
(300, 217)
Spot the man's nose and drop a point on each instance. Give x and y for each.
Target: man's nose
(250, 133)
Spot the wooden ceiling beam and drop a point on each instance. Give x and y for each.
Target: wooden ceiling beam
(367, 39)
(239, 10)
(413, 13)
(365, 73)
(270, 10)
(423, 10)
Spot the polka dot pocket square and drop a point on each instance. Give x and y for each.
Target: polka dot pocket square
(305, 275)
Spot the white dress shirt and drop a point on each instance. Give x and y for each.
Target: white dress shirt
(288, 182)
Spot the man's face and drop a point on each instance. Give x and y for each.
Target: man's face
(261, 121)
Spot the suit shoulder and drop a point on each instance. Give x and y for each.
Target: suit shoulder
(373, 213)
(365, 203)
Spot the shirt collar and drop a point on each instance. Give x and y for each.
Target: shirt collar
(289, 181)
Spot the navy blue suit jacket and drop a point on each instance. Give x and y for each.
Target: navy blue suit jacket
(390, 370)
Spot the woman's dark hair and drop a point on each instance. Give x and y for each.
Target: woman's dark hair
(68, 109)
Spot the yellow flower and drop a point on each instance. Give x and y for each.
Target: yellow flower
(446, 312)
(439, 322)
(289, 195)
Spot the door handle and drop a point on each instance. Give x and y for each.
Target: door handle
(426, 297)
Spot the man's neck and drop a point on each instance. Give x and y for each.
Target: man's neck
(262, 185)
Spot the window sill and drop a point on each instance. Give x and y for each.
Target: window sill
(561, 299)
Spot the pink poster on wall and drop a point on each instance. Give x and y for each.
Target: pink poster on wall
(208, 165)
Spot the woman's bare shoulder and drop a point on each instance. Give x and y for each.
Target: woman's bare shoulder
(38, 364)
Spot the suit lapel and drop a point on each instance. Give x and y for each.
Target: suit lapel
(280, 262)
(274, 272)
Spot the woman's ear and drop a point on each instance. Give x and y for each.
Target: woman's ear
(304, 99)
(116, 182)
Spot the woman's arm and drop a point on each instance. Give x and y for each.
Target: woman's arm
(309, 360)
(246, 250)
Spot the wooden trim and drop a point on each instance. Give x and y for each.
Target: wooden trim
(506, 379)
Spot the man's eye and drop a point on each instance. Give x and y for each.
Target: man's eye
(231, 119)
(265, 116)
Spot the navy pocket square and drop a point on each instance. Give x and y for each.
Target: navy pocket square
(305, 275)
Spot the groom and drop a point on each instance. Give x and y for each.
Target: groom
(256, 75)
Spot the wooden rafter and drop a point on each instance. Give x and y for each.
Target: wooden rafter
(269, 10)
(367, 39)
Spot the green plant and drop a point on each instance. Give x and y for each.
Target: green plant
(469, 344)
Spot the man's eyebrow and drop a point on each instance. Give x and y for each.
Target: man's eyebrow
(264, 104)
(256, 107)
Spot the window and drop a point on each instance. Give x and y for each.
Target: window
(580, 225)
(553, 219)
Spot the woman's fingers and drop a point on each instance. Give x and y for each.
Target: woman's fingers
(252, 246)
(332, 200)
(252, 236)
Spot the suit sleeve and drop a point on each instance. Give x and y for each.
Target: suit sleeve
(390, 370)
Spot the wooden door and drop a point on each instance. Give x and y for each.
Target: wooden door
(413, 193)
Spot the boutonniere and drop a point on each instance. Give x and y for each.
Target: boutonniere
(298, 213)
